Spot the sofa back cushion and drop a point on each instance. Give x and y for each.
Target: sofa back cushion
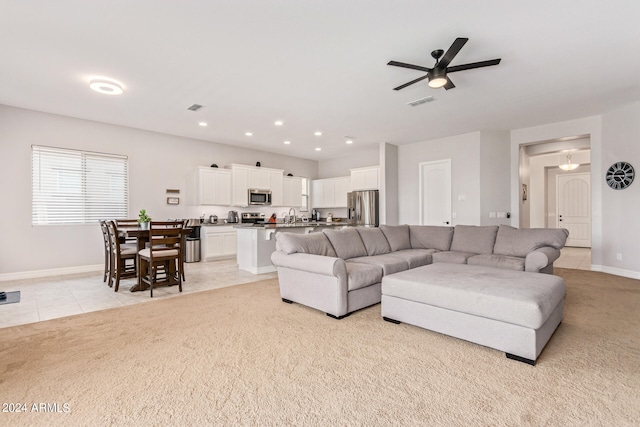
(473, 238)
(312, 243)
(374, 241)
(430, 237)
(347, 243)
(397, 236)
(512, 241)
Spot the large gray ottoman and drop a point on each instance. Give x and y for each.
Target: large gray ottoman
(511, 311)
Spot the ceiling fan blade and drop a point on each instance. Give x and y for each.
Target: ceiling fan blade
(449, 84)
(411, 82)
(452, 52)
(413, 67)
(473, 65)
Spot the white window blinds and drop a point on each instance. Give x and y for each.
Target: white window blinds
(77, 187)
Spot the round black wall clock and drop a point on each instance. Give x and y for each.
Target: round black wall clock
(620, 175)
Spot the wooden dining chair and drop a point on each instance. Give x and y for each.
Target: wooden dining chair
(160, 262)
(124, 224)
(123, 261)
(107, 249)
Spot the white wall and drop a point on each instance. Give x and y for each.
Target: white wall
(621, 213)
(388, 184)
(340, 167)
(494, 176)
(156, 162)
(464, 152)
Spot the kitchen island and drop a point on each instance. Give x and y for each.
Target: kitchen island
(256, 243)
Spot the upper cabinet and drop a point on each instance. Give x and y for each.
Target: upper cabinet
(330, 192)
(212, 186)
(250, 177)
(365, 178)
(292, 191)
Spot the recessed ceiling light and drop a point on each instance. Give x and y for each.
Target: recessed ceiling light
(106, 86)
(203, 124)
(348, 141)
(248, 133)
(318, 149)
(287, 142)
(278, 123)
(317, 133)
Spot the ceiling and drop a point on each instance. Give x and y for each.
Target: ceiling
(318, 65)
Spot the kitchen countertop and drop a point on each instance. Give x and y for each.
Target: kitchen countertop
(220, 224)
(269, 226)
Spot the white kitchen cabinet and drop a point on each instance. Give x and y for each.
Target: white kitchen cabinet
(330, 192)
(365, 178)
(245, 177)
(292, 191)
(218, 242)
(212, 186)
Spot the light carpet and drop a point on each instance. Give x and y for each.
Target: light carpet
(240, 356)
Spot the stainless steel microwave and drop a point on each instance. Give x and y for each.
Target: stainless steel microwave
(259, 197)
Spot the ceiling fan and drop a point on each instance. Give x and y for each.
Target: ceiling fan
(438, 74)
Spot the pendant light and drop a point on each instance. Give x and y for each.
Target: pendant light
(569, 166)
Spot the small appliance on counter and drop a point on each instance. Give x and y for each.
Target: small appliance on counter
(232, 217)
(213, 219)
(315, 215)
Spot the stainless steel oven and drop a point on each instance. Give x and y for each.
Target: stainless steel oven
(259, 197)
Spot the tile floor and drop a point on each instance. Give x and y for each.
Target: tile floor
(60, 296)
(575, 258)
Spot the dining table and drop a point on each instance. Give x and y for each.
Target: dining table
(142, 238)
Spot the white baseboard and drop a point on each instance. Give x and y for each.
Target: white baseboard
(51, 272)
(259, 270)
(616, 271)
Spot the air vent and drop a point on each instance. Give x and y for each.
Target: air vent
(421, 101)
(195, 107)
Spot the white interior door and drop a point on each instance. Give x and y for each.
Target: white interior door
(574, 208)
(435, 193)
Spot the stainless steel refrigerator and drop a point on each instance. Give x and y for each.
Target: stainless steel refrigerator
(363, 208)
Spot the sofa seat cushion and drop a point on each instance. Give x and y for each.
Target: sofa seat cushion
(374, 240)
(498, 261)
(362, 275)
(415, 257)
(397, 236)
(520, 241)
(452, 257)
(390, 264)
(430, 237)
(517, 297)
(346, 242)
(313, 243)
(474, 238)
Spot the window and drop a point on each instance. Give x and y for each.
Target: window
(304, 203)
(77, 187)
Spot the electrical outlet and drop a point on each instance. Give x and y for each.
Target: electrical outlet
(492, 214)
(502, 214)
(619, 256)
(462, 197)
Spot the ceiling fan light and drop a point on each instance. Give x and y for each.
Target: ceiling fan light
(437, 78)
(437, 82)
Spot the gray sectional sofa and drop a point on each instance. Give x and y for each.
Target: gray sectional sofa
(477, 283)
(341, 271)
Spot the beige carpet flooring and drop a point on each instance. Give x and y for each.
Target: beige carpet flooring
(240, 356)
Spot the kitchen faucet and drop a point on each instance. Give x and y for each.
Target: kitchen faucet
(292, 218)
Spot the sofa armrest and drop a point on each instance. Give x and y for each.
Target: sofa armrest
(540, 258)
(319, 264)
